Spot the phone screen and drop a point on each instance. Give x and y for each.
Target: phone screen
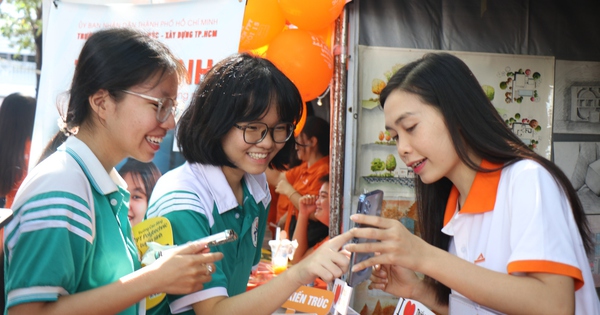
(219, 238)
(369, 203)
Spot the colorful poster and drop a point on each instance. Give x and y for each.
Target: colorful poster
(577, 95)
(519, 86)
(199, 32)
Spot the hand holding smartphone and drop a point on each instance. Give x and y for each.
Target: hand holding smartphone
(219, 238)
(370, 204)
(156, 250)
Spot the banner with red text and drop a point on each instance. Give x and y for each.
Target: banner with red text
(199, 32)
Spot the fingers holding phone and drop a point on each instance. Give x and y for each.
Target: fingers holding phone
(185, 269)
(396, 244)
(369, 204)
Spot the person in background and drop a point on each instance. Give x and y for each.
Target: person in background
(140, 178)
(17, 114)
(239, 123)
(502, 226)
(318, 206)
(69, 247)
(312, 148)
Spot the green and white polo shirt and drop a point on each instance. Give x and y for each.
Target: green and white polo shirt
(198, 202)
(70, 232)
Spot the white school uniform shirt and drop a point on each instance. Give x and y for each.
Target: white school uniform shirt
(516, 221)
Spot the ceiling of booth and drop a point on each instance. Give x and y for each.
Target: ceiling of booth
(568, 30)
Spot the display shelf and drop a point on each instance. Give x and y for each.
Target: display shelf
(380, 144)
(403, 181)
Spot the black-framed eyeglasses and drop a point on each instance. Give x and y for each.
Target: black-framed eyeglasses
(164, 106)
(256, 132)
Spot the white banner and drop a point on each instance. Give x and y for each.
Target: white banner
(200, 33)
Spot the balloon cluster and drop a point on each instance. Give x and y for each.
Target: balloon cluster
(295, 35)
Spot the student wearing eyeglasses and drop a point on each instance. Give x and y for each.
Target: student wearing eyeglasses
(240, 122)
(312, 149)
(69, 248)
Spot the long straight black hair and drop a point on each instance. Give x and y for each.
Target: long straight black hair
(446, 83)
(17, 114)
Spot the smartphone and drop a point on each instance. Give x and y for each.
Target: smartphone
(219, 238)
(5, 216)
(369, 203)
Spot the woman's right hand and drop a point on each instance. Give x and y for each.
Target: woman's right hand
(327, 262)
(184, 269)
(307, 204)
(398, 252)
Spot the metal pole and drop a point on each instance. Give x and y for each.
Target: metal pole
(338, 123)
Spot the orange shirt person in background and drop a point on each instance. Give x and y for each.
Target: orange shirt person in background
(312, 147)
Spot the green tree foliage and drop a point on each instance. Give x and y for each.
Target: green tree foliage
(22, 26)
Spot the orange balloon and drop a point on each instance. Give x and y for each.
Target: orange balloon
(305, 59)
(263, 20)
(302, 120)
(326, 34)
(312, 15)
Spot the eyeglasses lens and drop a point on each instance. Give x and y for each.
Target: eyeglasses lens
(256, 132)
(164, 109)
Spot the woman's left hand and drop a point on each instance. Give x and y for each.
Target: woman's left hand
(394, 279)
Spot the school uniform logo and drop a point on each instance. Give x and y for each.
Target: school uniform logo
(255, 232)
(480, 259)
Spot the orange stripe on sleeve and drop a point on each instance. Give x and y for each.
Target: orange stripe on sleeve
(545, 266)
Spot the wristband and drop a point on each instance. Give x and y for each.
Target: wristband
(295, 192)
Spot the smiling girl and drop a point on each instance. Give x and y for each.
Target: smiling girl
(69, 247)
(240, 121)
(501, 226)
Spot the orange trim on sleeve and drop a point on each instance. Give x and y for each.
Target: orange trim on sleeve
(545, 266)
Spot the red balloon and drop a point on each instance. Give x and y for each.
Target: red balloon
(263, 20)
(312, 15)
(305, 59)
